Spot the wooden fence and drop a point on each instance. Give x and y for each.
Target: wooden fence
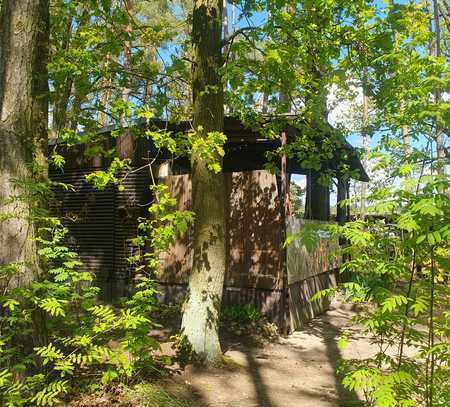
(309, 270)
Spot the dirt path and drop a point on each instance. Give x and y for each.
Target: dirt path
(298, 371)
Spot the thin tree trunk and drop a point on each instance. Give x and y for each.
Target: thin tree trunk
(62, 90)
(147, 94)
(365, 141)
(265, 102)
(404, 128)
(225, 18)
(106, 94)
(125, 141)
(233, 17)
(440, 147)
(201, 312)
(102, 114)
(24, 30)
(59, 119)
(79, 95)
(127, 55)
(405, 133)
(225, 35)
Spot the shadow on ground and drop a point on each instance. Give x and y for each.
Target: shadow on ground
(299, 370)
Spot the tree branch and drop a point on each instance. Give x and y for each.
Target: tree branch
(230, 38)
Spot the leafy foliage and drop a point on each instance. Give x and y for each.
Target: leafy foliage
(55, 334)
(400, 274)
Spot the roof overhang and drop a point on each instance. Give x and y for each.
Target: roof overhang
(246, 149)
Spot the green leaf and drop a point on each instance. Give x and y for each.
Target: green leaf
(421, 238)
(273, 55)
(10, 303)
(53, 306)
(109, 376)
(390, 304)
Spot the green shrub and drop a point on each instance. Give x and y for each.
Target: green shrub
(242, 314)
(400, 273)
(55, 335)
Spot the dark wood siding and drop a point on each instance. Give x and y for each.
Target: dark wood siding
(254, 238)
(101, 224)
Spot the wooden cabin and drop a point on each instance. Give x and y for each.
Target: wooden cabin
(260, 271)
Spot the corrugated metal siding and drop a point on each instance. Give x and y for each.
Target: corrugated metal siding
(130, 204)
(101, 224)
(89, 216)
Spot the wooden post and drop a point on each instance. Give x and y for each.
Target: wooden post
(286, 212)
(317, 198)
(342, 212)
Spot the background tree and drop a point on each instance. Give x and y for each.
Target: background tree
(439, 131)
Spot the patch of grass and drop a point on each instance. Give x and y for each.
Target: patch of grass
(230, 364)
(152, 395)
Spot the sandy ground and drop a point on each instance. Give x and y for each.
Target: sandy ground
(299, 370)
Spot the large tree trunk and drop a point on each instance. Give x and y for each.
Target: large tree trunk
(202, 307)
(24, 32)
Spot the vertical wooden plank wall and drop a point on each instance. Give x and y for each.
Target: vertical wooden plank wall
(254, 242)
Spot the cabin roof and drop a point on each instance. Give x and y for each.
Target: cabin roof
(245, 150)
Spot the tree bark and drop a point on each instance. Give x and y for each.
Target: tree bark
(440, 146)
(201, 311)
(225, 18)
(124, 142)
(127, 55)
(405, 133)
(24, 30)
(365, 141)
(62, 88)
(233, 16)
